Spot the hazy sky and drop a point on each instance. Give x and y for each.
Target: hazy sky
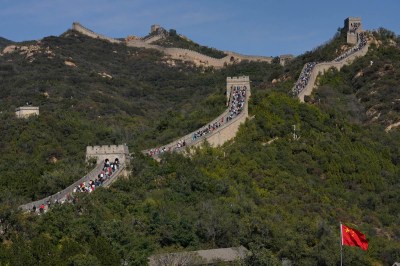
(254, 27)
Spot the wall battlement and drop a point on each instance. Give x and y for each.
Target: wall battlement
(108, 152)
(26, 111)
(79, 28)
(222, 134)
(177, 53)
(353, 26)
(240, 79)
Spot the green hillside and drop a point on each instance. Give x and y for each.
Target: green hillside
(145, 103)
(367, 93)
(278, 197)
(4, 42)
(175, 40)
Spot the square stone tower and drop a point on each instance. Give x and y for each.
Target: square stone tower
(108, 152)
(352, 26)
(154, 28)
(26, 111)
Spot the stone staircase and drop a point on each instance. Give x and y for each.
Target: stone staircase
(176, 53)
(226, 131)
(100, 152)
(319, 68)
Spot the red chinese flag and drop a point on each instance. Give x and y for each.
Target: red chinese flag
(352, 237)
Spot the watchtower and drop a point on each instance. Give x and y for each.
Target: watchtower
(283, 59)
(26, 111)
(243, 81)
(353, 26)
(154, 28)
(108, 152)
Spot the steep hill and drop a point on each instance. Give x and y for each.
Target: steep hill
(175, 40)
(368, 90)
(4, 42)
(278, 196)
(84, 86)
(94, 92)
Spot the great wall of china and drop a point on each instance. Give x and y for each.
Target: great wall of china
(178, 53)
(227, 128)
(355, 35)
(99, 153)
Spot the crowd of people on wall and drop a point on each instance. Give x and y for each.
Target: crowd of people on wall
(304, 77)
(306, 73)
(207, 129)
(237, 102)
(109, 168)
(362, 41)
(157, 151)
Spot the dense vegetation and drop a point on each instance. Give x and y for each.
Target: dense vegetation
(145, 103)
(4, 42)
(284, 199)
(278, 197)
(175, 40)
(364, 92)
(323, 53)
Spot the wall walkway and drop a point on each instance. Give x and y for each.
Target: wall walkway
(61, 196)
(322, 67)
(177, 53)
(217, 137)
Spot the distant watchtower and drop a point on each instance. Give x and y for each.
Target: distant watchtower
(26, 111)
(154, 28)
(243, 81)
(353, 26)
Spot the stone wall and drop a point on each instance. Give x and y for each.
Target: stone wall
(142, 44)
(178, 53)
(79, 28)
(195, 57)
(154, 38)
(224, 133)
(320, 68)
(101, 153)
(108, 152)
(26, 111)
(61, 196)
(240, 57)
(235, 81)
(352, 26)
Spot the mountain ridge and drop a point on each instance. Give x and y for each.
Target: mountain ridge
(279, 188)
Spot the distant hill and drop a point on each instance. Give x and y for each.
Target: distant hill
(280, 188)
(367, 91)
(4, 42)
(175, 40)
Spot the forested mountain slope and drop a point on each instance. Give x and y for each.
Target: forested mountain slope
(93, 92)
(278, 197)
(4, 42)
(368, 90)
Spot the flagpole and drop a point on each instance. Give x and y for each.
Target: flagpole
(341, 245)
